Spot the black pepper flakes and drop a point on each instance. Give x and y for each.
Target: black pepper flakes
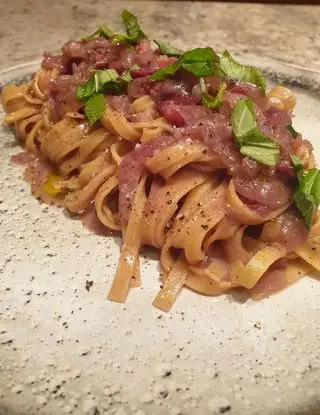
(89, 284)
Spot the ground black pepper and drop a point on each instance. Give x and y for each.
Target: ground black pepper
(89, 284)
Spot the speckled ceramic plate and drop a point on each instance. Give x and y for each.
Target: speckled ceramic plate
(64, 349)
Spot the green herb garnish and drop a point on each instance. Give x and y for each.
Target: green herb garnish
(205, 62)
(102, 31)
(252, 141)
(94, 108)
(307, 195)
(168, 50)
(199, 61)
(168, 70)
(134, 32)
(233, 69)
(296, 161)
(101, 82)
(208, 100)
(292, 131)
(108, 81)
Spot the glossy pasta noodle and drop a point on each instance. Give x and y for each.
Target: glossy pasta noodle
(160, 184)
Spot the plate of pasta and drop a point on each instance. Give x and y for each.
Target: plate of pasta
(194, 175)
(185, 152)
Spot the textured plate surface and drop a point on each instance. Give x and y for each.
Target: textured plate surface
(66, 350)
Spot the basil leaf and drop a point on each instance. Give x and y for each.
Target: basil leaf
(296, 161)
(307, 195)
(205, 68)
(102, 31)
(263, 155)
(168, 70)
(134, 32)
(94, 108)
(126, 76)
(103, 77)
(307, 207)
(200, 55)
(168, 50)
(103, 81)
(85, 91)
(309, 180)
(233, 69)
(252, 141)
(199, 61)
(291, 130)
(209, 100)
(315, 190)
(244, 126)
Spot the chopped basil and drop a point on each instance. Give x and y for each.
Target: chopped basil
(291, 130)
(168, 50)
(235, 70)
(307, 207)
(199, 61)
(204, 62)
(307, 195)
(134, 32)
(296, 161)
(132, 27)
(251, 140)
(102, 78)
(267, 156)
(209, 100)
(102, 31)
(94, 108)
(85, 91)
(126, 76)
(107, 80)
(168, 70)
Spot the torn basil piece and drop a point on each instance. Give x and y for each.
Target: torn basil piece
(292, 131)
(266, 156)
(296, 161)
(307, 194)
(94, 108)
(102, 31)
(168, 50)
(199, 61)
(232, 69)
(134, 32)
(251, 140)
(108, 81)
(208, 100)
